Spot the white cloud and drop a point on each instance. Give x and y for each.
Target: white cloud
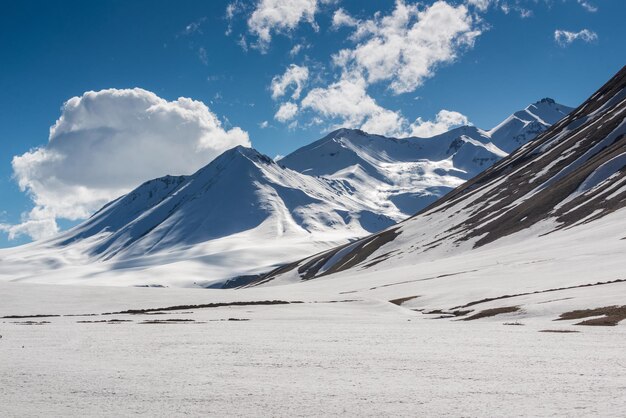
(564, 38)
(243, 43)
(401, 49)
(194, 27)
(588, 6)
(295, 50)
(405, 47)
(525, 13)
(341, 18)
(481, 5)
(295, 76)
(232, 10)
(105, 143)
(444, 121)
(263, 125)
(280, 16)
(286, 112)
(202, 55)
(34, 228)
(348, 101)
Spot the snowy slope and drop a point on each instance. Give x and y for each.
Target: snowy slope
(239, 215)
(571, 175)
(239, 191)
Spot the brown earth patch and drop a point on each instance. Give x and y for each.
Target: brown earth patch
(31, 323)
(169, 321)
(609, 316)
(400, 301)
(563, 331)
(492, 312)
(477, 302)
(457, 312)
(203, 306)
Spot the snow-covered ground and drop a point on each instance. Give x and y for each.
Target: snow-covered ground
(346, 350)
(367, 358)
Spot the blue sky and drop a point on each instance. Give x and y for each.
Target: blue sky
(503, 56)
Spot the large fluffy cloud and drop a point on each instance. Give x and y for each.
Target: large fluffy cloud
(399, 50)
(107, 142)
(348, 101)
(405, 47)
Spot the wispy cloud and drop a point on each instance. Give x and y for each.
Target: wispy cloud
(194, 27)
(202, 55)
(565, 38)
(588, 6)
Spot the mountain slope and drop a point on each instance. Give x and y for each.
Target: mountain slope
(524, 125)
(412, 173)
(573, 174)
(241, 206)
(238, 191)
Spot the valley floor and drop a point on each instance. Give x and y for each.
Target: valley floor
(367, 357)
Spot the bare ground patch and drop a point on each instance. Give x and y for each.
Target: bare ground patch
(203, 306)
(608, 316)
(560, 331)
(492, 312)
(400, 301)
(30, 322)
(477, 302)
(170, 321)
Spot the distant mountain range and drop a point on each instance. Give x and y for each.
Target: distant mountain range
(244, 213)
(559, 186)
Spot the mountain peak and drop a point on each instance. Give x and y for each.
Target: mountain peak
(241, 151)
(346, 132)
(546, 100)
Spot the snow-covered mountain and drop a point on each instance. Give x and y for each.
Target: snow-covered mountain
(551, 190)
(239, 191)
(522, 126)
(240, 207)
(243, 213)
(412, 173)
